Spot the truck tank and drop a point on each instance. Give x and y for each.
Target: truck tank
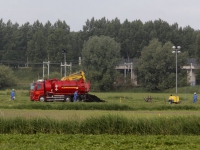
(58, 86)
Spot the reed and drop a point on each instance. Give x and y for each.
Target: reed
(107, 124)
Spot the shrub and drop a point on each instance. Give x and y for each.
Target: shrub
(7, 78)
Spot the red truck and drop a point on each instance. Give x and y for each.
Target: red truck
(62, 90)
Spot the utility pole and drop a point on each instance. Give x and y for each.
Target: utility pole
(64, 51)
(65, 65)
(79, 60)
(126, 65)
(176, 50)
(125, 72)
(48, 64)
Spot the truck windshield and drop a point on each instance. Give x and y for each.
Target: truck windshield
(32, 86)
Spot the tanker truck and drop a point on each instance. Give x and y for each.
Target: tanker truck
(50, 90)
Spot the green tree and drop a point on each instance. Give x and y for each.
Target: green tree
(10, 43)
(197, 50)
(131, 37)
(58, 40)
(75, 47)
(157, 67)
(163, 30)
(100, 55)
(89, 28)
(188, 41)
(112, 28)
(176, 34)
(197, 72)
(2, 34)
(197, 56)
(37, 48)
(7, 78)
(24, 37)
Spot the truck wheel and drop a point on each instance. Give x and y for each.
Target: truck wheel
(42, 99)
(67, 99)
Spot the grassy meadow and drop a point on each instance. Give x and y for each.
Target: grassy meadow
(124, 121)
(98, 142)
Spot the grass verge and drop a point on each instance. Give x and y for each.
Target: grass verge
(96, 142)
(106, 124)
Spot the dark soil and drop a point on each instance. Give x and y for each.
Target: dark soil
(93, 98)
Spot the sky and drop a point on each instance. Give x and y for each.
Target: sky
(76, 12)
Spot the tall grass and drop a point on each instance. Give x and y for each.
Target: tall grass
(109, 124)
(98, 106)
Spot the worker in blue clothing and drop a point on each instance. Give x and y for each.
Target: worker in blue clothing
(75, 95)
(195, 97)
(12, 94)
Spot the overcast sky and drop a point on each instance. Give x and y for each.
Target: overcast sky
(76, 12)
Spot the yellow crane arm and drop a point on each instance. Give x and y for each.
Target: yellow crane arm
(75, 76)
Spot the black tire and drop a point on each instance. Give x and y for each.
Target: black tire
(67, 99)
(42, 99)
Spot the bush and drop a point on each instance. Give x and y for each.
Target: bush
(7, 78)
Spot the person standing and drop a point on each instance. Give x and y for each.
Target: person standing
(75, 95)
(195, 97)
(12, 94)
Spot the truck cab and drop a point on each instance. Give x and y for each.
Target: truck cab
(37, 91)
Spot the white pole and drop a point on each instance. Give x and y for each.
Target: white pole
(176, 50)
(176, 73)
(70, 67)
(48, 67)
(125, 71)
(131, 71)
(191, 75)
(43, 69)
(61, 69)
(65, 62)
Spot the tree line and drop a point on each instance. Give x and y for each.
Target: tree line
(145, 42)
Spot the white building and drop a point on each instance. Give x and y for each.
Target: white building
(191, 67)
(127, 66)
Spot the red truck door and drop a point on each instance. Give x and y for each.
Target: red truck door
(37, 92)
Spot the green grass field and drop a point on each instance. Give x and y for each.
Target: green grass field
(138, 111)
(97, 142)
